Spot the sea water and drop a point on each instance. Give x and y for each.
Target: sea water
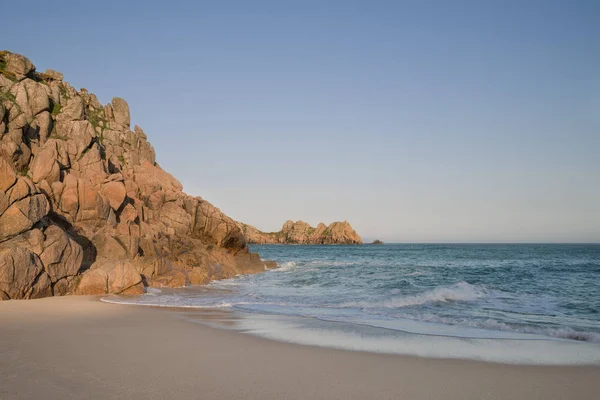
(518, 303)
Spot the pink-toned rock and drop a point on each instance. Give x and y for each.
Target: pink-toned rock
(8, 175)
(33, 240)
(45, 165)
(71, 110)
(121, 111)
(111, 205)
(93, 282)
(173, 278)
(43, 124)
(213, 226)
(300, 232)
(21, 189)
(151, 177)
(92, 206)
(22, 214)
(108, 247)
(21, 274)
(128, 214)
(118, 277)
(115, 193)
(54, 75)
(79, 133)
(62, 256)
(91, 166)
(18, 64)
(14, 149)
(198, 276)
(2, 114)
(69, 198)
(124, 278)
(174, 216)
(65, 286)
(30, 97)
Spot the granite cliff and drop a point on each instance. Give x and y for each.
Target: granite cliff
(84, 206)
(300, 232)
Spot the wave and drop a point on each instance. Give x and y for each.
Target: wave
(417, 273)
(153, 291)
(458, 292)
(331, 263)
(461, 291)
(564, 332)
(286, 266)
(139, 301)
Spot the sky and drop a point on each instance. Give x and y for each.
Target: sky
(416, 121)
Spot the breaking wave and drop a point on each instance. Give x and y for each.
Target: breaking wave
(286, 266)
(462, 291)
(471, 291)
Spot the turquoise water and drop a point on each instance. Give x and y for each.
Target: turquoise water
(548, 293)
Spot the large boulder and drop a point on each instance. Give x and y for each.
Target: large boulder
(71, 109)
(108, 246)
(115, 193)
(17, 64)
(121, 112)
(174, 216)
(91, 165)
(31, 98)
(118, 277)
(79, 201)
(215, 227)
(38, 131)
(150, 178)
(62, 256)
(22, 215)
(22, 275)
(54, 75)
(44, 165)
(79, 133)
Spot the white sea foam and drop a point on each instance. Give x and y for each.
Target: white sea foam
(499, 326)
(462, 291)
(170, 305)
(286, 266)
(515, 351)
(418, 273)
(330, 263)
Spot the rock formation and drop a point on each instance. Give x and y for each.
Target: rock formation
(300, 232)
(85, 208)
(377, 241)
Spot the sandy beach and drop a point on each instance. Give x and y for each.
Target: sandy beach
(78, 347)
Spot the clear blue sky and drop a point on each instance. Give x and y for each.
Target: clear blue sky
(416, 121)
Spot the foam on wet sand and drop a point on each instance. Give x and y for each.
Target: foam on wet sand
(79, 347)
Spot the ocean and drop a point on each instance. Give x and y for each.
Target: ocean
(515, 303)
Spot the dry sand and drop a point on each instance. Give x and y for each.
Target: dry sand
(80, 348)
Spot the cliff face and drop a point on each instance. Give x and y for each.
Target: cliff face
(300, 232)
(85, 208)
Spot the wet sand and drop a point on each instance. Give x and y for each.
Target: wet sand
(78, 347)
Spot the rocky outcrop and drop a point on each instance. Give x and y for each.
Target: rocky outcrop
(85, 208)
(376, 242)
(300, 232)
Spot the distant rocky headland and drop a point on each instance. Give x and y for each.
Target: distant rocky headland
(84, 206)
(300, 232)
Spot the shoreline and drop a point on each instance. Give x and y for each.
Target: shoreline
(510, 348)
(61, 347)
